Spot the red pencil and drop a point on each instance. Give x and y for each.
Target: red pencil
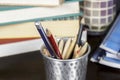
(53, 43)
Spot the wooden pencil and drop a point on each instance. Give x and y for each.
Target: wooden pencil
(82, 51)
(53, 43)
(46, 52)
(76, 50)
(61, 45)
(66, 47)
(69, 52)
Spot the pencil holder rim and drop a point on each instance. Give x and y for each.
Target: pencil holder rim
(66, 60)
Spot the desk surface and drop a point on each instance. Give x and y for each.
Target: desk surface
(29, 66)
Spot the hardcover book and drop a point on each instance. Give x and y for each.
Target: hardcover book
(111, 43)
(26, 14)
(24, 37)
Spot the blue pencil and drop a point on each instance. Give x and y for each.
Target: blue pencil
(45, 39)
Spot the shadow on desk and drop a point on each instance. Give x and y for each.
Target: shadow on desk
(101, 72)
(107, 73)
(28, 66)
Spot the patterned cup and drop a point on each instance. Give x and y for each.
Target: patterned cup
(98, 15)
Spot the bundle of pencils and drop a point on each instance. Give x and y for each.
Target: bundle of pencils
(63, 49)
(49, 41)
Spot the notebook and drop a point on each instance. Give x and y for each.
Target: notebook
(111, 43)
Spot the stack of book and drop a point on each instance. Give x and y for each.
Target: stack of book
(109, 50)
(17, 29)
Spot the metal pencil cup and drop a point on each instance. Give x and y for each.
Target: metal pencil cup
(70, 69)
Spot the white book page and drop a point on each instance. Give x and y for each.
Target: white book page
(31, 2)
(20, 47)
(112, 55)
(110, 64)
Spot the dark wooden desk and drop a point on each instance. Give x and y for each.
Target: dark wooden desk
(29, 66)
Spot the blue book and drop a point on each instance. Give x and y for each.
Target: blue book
(25, 14)
(111, 46)
(111, 62)
(111, 43)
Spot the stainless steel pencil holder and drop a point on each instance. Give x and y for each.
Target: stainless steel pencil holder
(70, 69)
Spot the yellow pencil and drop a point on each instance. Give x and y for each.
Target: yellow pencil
(76, 50)
(82, 51)
(69, 52)
(66, 47)
(46, 52)
(61, 45)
